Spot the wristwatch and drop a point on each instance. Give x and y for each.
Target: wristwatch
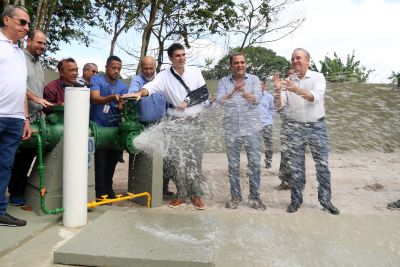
(187, 100)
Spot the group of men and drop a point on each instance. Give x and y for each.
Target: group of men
(248, 111)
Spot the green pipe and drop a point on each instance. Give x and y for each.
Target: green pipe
(41, 169)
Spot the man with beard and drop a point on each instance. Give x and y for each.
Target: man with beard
(36, 45)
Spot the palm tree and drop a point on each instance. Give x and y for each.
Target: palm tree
(395, 77)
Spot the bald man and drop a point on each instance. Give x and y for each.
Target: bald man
(147, 74)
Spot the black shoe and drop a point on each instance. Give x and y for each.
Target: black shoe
(233, 203)
(282, 186)
(293, 207)
(257, 204)
(329, 207)
(394, 205)
(8, 220)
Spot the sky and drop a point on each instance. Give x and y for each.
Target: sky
(370, 28)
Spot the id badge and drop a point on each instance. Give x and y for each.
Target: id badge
(106, 109)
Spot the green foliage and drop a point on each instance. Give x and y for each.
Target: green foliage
(261, 61)
(335, 70)
(62, 21)
(395, 77)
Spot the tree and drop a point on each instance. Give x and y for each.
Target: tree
(260, 19)
(260, 61)
(61, 20)
(395, 77)
(335, 70)
(118, 16)
(185, 21)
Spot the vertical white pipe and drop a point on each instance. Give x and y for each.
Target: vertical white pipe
(75, 168)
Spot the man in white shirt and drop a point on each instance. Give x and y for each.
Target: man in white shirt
(14, 117)
(303, 97)
(186, 144)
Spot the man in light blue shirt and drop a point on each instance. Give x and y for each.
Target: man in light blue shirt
(240, 95)
(267, 110)
(147, 74)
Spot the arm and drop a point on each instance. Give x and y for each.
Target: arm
(27, 132)
(278, 91)
(135, 86)
(96, 98)
(307, 95)
(37, 100)
(254, 96)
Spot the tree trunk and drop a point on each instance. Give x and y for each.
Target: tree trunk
(155, 6)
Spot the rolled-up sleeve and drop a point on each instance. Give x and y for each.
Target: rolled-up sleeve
(318, 87)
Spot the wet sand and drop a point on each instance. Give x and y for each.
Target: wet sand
(362, 184)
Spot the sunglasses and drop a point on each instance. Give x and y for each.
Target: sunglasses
(22, 22)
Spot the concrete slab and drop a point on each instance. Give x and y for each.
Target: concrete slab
(145, 175)
(307, 240)
(12, 237)
(153, 238)
(129, 238)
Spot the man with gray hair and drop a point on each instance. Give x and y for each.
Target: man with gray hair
(302, 95)
(89, 70)
(14, 118)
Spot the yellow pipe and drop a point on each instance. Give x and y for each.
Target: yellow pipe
(119, 198)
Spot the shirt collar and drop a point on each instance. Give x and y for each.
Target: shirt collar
(246, 75)
(4, 38)
(32, 58)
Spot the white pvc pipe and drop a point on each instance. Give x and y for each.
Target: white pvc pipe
(75, 168)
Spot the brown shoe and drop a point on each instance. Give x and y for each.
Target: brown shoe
(176, 203)
(197, 203)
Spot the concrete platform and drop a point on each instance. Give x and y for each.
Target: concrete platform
(13, 237)
(159, 238)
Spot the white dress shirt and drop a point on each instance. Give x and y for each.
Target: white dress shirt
(299, 109)
(166, 83)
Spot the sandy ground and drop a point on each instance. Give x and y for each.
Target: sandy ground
(362, 184)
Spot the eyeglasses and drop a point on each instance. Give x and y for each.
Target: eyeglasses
(22, 22)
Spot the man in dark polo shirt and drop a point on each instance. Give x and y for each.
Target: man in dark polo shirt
(68, 71)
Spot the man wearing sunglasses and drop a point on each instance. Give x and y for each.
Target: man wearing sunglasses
(14, 118)
(89, 70)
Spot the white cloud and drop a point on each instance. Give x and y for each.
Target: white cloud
(369, 27)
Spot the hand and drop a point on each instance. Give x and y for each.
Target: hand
(277, 81)
(27, 132)
(43, 102)
(182, 106)
(239, 87)
(137, 95)
(290, 86)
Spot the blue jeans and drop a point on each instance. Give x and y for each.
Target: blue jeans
(252, 144)
(10, 134)
(298, 136)
(185, 148)
(267, 136)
